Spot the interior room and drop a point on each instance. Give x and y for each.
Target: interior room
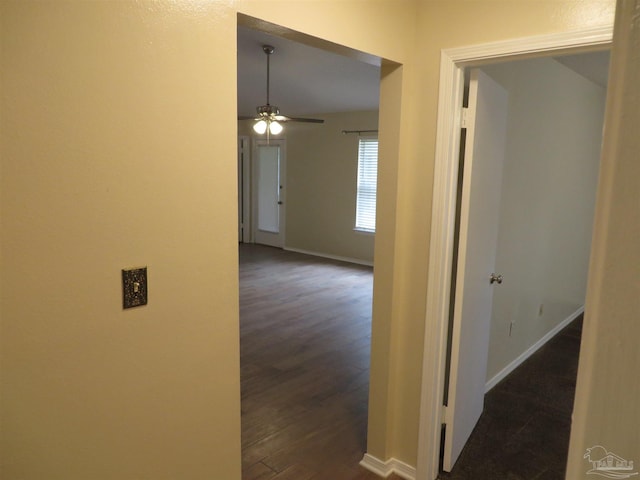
(555, 115)
(119, 152)
(318, 184)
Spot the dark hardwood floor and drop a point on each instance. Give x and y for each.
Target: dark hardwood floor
(305, 326)
(305, 329)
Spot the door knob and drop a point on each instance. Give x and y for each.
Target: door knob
(495, 279)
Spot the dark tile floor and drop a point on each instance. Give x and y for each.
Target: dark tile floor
(523, 433)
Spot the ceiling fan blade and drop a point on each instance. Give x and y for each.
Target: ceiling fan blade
(307, 120)
(282, 118)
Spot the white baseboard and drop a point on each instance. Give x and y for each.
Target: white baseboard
(384, 469)
(332, 257)
(531, 350)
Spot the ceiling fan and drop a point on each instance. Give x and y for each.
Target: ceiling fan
(269, 119)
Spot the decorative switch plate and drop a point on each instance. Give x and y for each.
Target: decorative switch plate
(134, 287)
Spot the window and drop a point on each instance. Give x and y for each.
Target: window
(366, 188)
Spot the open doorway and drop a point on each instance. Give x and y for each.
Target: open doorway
(305, 307)
(552, 117)
(454, 63)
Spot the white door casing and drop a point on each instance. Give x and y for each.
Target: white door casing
(244, 166)
(479, 216)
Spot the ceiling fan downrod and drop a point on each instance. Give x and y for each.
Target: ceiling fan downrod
(268, 50)
(269, 118)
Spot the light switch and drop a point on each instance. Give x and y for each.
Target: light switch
(134, 287)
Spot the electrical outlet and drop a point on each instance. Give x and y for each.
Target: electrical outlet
(134, 287)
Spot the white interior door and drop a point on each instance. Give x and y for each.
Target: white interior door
(479, 215)
(268, 216)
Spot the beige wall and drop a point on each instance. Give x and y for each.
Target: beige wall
(322, 172)
(549, 182)
(109, 159)
(607, 411)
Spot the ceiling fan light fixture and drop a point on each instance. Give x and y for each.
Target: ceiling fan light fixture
(275, 128)
(269, 120)
(260, 127)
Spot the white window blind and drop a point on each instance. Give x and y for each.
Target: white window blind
(367, 182)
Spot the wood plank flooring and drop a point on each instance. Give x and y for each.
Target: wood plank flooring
(305, 337)
(305, 330)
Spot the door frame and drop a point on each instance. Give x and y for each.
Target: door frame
(453, 63)
(244, 187)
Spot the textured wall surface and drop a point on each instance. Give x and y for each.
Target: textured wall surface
(110, 159)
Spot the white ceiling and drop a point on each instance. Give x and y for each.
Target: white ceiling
(304, 80)
(307, 81)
